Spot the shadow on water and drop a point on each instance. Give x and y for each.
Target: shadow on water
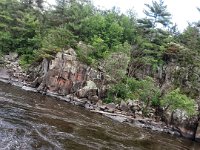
(33, 121)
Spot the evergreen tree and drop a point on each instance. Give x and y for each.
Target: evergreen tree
(157, 14)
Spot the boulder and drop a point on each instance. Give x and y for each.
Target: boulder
(12, 56)
(185, 125)
(111, 107)
(93, 99)
(88, 91)
(70, 52)
(45, 66)
(130, 103)
(99, 103)
(102, 107)
(65, 75)
(123, 106)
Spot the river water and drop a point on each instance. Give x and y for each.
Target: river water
(33, 121)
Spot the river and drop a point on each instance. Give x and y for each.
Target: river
(30, 121)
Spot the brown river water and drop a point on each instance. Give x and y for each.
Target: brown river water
(30, 121)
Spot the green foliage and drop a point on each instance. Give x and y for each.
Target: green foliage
(118, 91)
(100, 47)
(152, 40)
(25, 61)
(59, 37)
(176, 100)
(31, 32)
(130, 88)
(145, 90)
(186, 75)
(105, 32)
(191, 37)
(84, 53)
(19, 30)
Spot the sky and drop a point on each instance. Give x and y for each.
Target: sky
(183, 11)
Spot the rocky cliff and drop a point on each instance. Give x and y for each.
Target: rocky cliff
(66, 75)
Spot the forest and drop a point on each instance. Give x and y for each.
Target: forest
(134, 52)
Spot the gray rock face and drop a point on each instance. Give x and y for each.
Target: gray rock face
(10, 69)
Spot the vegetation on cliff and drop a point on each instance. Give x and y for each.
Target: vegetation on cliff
(150, 60)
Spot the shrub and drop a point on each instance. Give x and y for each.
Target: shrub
(130, 88)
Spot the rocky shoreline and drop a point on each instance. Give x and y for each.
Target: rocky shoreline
(67, 79)
(99, 108)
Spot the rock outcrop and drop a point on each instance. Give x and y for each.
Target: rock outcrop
(11, 70)
(66, 75)
(185, 125)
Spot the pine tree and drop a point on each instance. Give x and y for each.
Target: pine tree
(157, 13)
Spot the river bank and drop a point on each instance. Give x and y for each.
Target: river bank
(102, 109)
(68, 79)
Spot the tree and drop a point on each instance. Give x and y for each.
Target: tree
(151, 40)
(187, 52)
(176, 100)
(157, 14)
(191, 37)
(60, 8)
(20, 30)
(147, 92)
